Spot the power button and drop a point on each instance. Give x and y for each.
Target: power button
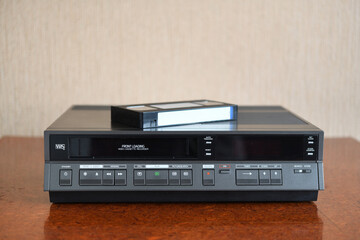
(65, 177)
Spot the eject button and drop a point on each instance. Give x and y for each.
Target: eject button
(90, 177)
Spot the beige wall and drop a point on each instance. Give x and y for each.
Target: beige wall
(304, 55)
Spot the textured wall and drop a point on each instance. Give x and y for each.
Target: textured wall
(304, 55)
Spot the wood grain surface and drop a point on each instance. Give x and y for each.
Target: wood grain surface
(302, 54)
(26, 213)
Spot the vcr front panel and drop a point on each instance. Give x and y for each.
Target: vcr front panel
(184, 176)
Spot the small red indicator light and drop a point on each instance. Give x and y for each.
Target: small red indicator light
(208, 173)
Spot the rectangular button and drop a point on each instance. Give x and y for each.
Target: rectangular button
(108, 177)
(302, 170)
(247, 177)
(156, 177)
(208, 177)
(65, 177)
(120, 177)
(276, 177)
(186, 177)
(174, 177)
(264, 176)
(139, 177)
(90, 177)
(224, 171)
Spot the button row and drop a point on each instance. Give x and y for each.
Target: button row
(102, 177)
(171, 177)
(162, 177)
(256, 177)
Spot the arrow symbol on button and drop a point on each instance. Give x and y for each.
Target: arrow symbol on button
(247, 173)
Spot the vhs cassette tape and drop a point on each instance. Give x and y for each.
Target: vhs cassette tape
(153, 115)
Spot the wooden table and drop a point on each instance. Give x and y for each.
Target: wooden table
(26, 213)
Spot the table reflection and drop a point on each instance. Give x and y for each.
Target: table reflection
(194, 220)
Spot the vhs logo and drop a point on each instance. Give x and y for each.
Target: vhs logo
(60, 146)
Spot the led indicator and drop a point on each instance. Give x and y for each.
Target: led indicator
(157, 173)
(208, 173)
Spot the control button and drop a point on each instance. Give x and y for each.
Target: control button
(90, 177)
(186, 177)
(310, 147)
(65, 177)
(264, 176)
(120, 177)
(247, 177)
(208, 151)
(156, 177)
(139, 177)
(208, 177)
(108, 177)
(224, 171)
(302, 170)
(276, 177)
(174, 177)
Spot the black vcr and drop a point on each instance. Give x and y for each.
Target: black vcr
(267, 154)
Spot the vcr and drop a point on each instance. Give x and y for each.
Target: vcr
(267, 154)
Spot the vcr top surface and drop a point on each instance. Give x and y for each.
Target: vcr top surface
(81, 118)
